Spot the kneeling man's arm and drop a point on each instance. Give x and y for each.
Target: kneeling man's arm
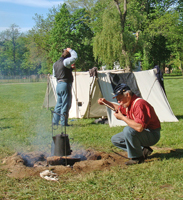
(131, 123)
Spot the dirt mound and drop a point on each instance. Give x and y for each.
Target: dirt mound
(33, 163)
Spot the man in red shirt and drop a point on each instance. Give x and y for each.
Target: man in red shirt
(143, 128)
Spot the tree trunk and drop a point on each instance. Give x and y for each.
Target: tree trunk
(122, 21)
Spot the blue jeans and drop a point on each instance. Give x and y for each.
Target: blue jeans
(132, 141)
(64, 98)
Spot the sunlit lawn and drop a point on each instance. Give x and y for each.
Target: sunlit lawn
(26, 126)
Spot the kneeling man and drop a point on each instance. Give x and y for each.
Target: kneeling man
(143, 128)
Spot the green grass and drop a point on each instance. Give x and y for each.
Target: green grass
(26, 126)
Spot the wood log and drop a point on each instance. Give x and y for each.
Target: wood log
(63, 160)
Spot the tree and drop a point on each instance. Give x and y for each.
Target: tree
(37, 58)
(176, 40)
(86, 4)
(70, 30)
(161, 34)
(12, 49)
(118, 38)
(131, 30)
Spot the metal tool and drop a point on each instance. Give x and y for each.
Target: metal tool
(60, 145)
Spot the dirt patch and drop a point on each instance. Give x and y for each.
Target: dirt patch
(33, 163)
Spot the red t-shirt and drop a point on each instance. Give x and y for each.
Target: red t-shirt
(141, 112)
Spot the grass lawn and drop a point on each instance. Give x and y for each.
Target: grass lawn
(25, 126)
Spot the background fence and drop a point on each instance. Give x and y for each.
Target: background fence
(23, 79)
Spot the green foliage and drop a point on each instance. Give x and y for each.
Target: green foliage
(162, 28)
(70, 30)
(107, 43)
(111, 42)
(174, 72)
(159, 53)
(97, 29)
(145, 60)
(12, 49)
(86, 4)
(37, 42)
(96, 16)
(61, 28)
(136, 15)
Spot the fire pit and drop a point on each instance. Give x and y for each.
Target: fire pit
(21, 165)
(62, 160)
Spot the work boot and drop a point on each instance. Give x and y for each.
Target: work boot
(68, 125)
(134, 161)
(147, 151)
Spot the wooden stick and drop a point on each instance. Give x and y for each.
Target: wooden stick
(109, 106)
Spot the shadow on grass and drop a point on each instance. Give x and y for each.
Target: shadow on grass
(179, 117)
(87, 124)
(5, 127)
(175, 153)
(173, 77)
(1, 119)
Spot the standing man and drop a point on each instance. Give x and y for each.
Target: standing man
(143, 128)
(62, 70)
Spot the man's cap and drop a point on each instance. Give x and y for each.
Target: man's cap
(120, 89)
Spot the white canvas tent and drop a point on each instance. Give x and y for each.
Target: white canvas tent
(87, 90)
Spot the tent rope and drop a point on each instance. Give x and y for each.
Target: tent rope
(151, 89)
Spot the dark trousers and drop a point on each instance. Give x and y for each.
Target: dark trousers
(64, 99)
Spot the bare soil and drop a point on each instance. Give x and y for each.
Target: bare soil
(33, 163)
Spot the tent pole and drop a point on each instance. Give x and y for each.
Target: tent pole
(77, 114)
(90, 95)
(48, 92)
